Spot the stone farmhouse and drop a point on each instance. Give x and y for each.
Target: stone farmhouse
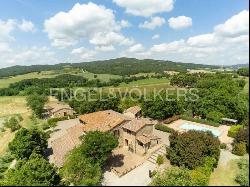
(55, 110)
(134, 134)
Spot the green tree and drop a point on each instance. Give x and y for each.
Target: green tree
(173, 177)
(26, 141)
(98, 146)
(12, 123)
(162, 106)
(78, 170)
(191, 148)
(36, 171)
(36, 103)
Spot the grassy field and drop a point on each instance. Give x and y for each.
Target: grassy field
(102, 77)
(4, 83)
(225, 175)
(246, 88)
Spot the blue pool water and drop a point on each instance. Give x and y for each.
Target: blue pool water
(188, 126)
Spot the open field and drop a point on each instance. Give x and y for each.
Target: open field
(11, 105)
(4, 83)
(144, 86)
(102, 77)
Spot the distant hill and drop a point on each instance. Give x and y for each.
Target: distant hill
(118, 66)
(237, 66)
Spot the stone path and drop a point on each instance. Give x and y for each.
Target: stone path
(137, 177)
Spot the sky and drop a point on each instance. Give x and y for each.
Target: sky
(212, 32)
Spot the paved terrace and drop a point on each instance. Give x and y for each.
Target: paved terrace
(222, 128)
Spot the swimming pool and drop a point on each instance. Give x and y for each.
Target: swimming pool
(188, 126)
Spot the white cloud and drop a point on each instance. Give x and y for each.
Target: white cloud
(27, 26)
(105, 48)
(180, 22)
(156, 36)
(203, 40)
(153, 23)
(6, 27)
(28, 56)
(168, 47)
(83, 21)
(4, 47)
(145, 8)
(83, 53)
(228, 44)
(136, 48)
(107, 39)
(125, 23)
(235, 26)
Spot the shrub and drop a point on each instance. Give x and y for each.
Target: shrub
(201, 175)
(160, 160)
(214, 116)
(211, 123)
(243, 176)
(12, 123)
(239, 149)
(242, 136)
(234, 130)
(190, 148)
(173, 177)
(171, 119)
(164, 128)
(52, 121)
(223, 146)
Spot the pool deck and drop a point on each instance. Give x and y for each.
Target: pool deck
(223, 129)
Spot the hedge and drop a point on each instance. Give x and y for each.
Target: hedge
(239, 149)
(171, 119)
(211, 123)
(52, 121)
(164, 128)
(234, 130)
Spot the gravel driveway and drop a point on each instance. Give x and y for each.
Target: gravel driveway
(137, 177)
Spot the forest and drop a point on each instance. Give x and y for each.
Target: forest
(119, 66)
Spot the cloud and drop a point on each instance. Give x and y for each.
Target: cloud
(107, 39)
(6, 27)
(180, 22)
(27, 26)
(235, 26)
(125, 23)
(136, 48)
(105, 48)
(203, 40)
(156, 36)
(28, 56)
(83, 53)
(228, 44)
(84, 21)
(153, 23)
(145, 8)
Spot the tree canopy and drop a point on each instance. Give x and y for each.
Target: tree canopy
(190, 149)
(28, 141)
(36, 171)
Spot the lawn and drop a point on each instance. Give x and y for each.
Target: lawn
(4, 83)
(225, 175)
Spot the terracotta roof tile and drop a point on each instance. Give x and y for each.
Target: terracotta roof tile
(62, 145)
(136, 124)
(102, 121)
(133, 110)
